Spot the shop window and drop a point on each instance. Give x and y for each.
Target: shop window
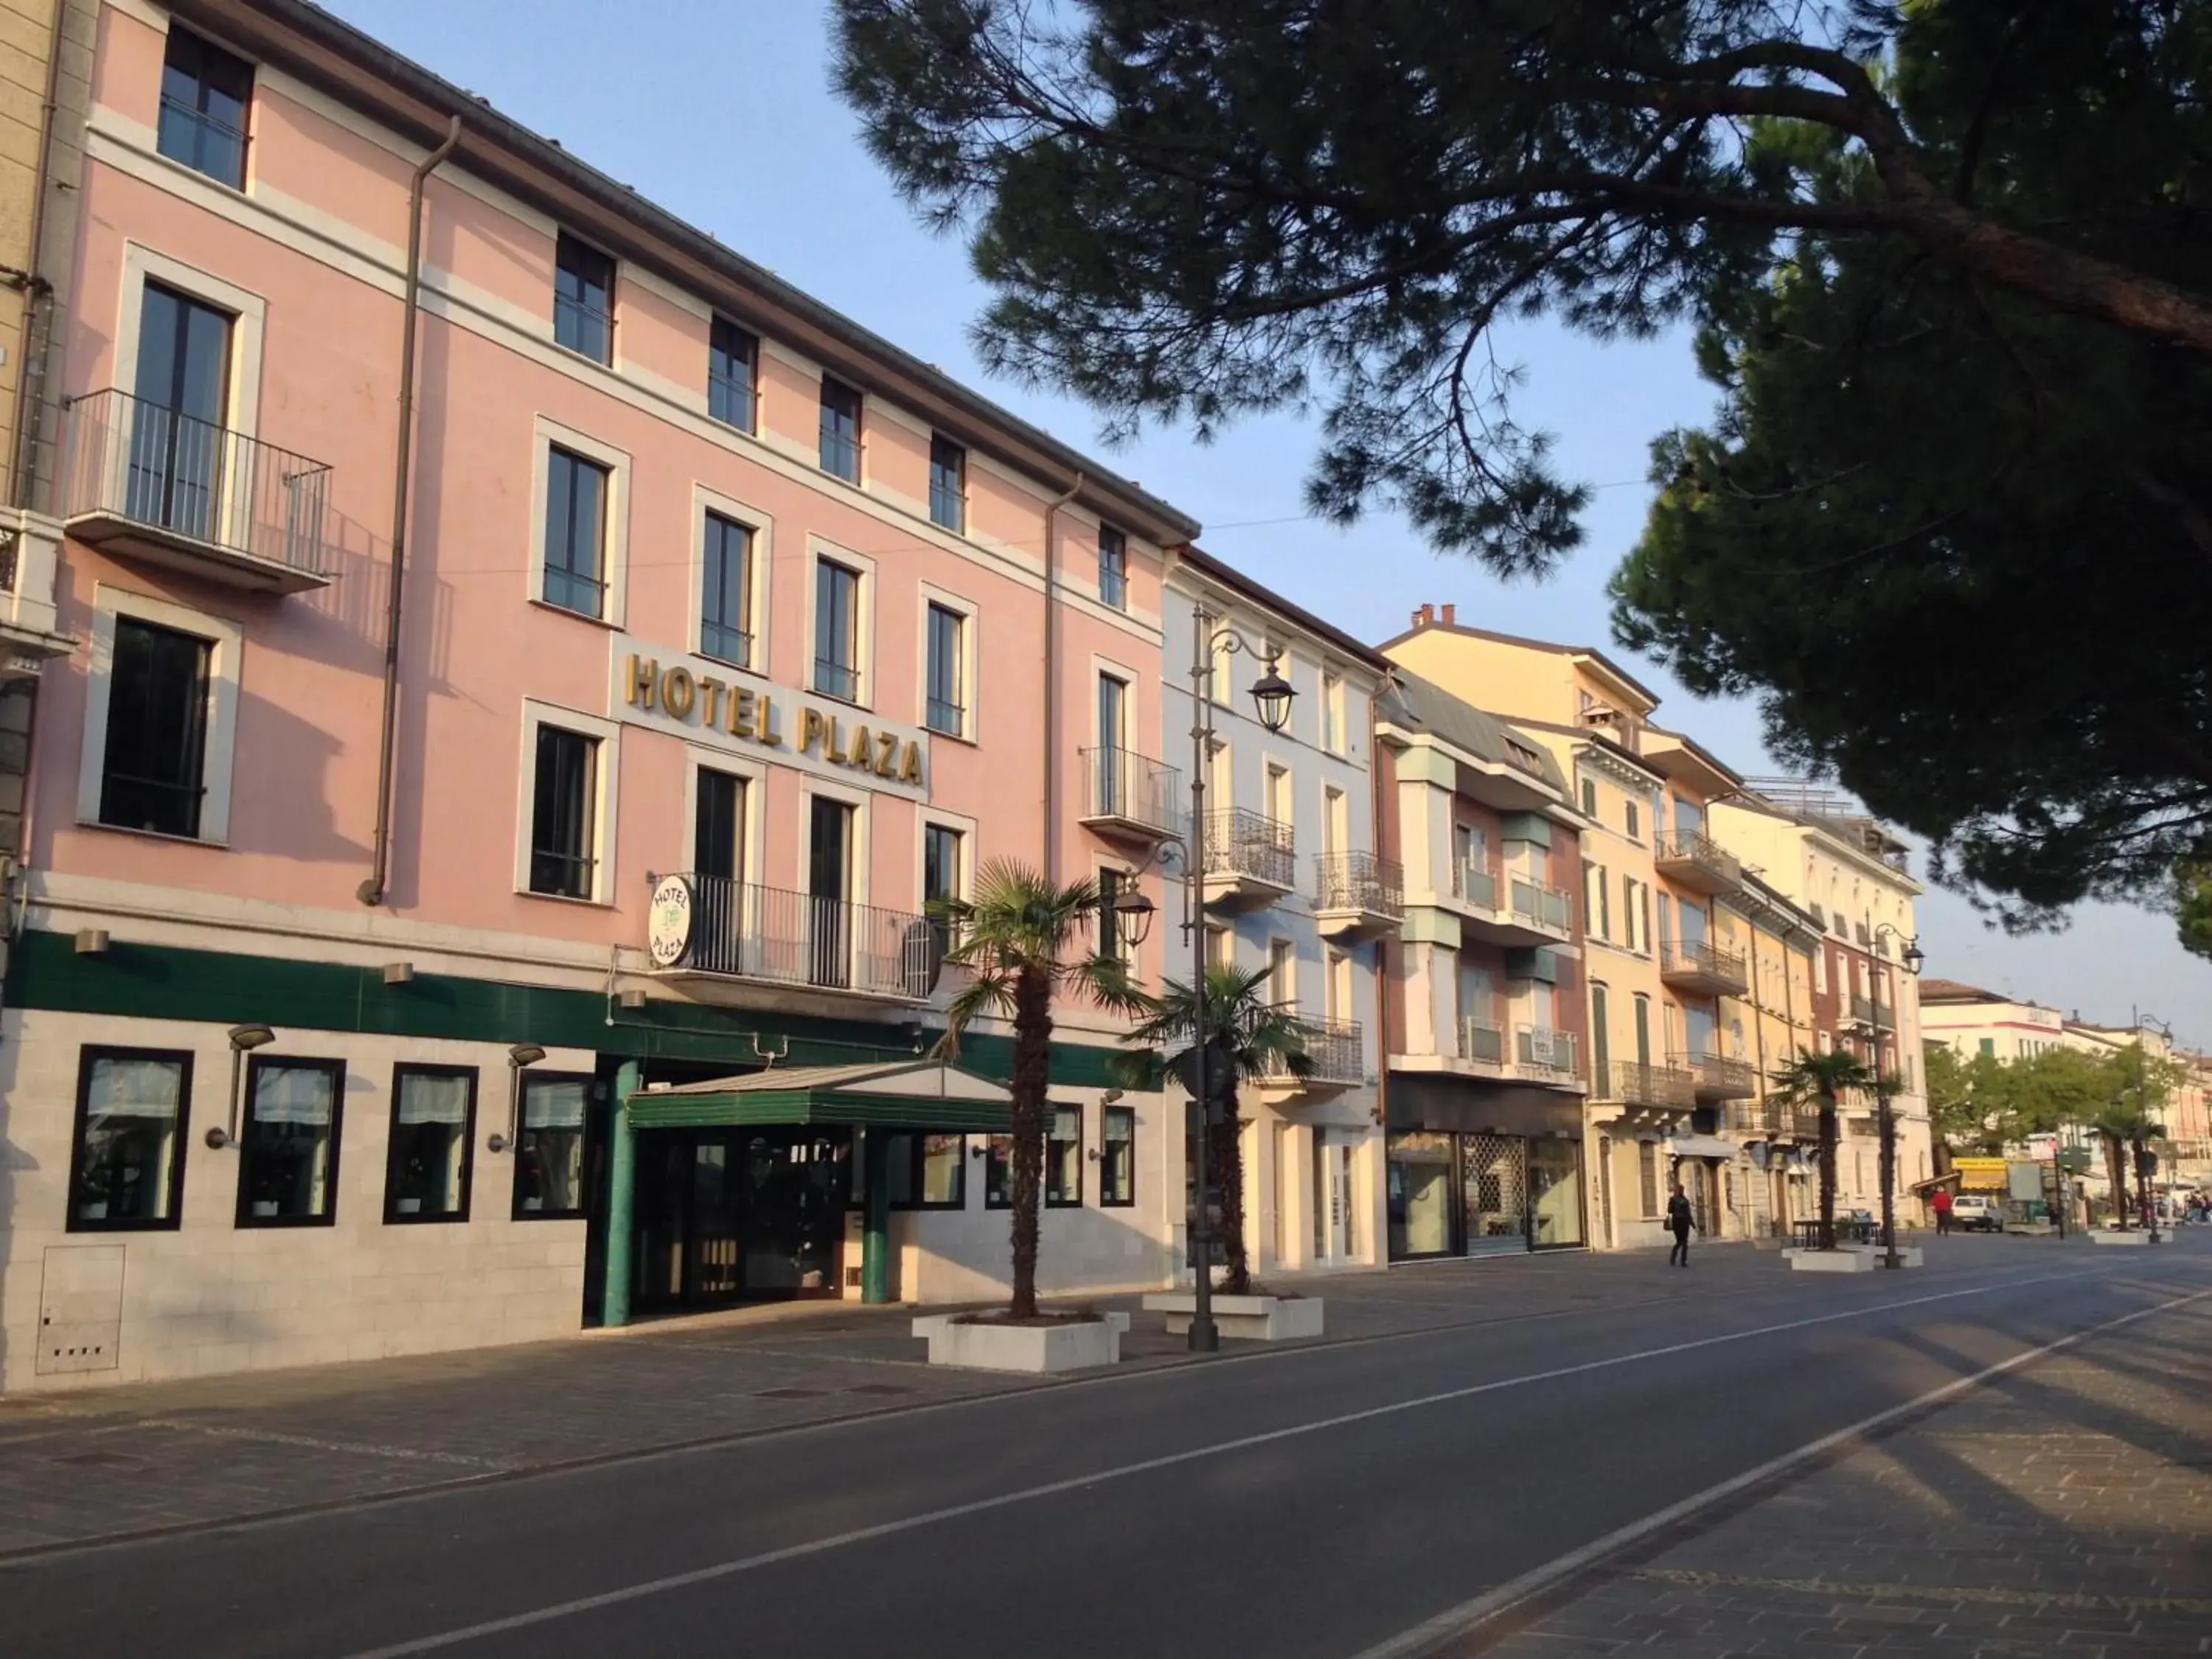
(726, 591)
(1117, 1159)
(548, 1152)
(948, 485)
(583, 299)
(1063, 1157)
(204, 94)
(927, 1171)
(288, 1170)
(840, 430)
(576, 533)
(433, 1114)
(127, 1154)
(1113, 567)
(732, 374)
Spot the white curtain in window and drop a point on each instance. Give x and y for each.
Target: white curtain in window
(433, 1099)
(133, 1088)
(553, 1106)
(286, 1094)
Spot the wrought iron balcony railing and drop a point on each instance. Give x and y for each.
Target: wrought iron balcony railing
(1696, 861)
(1359, 881)
(192, 487)
(1242, 842)
(1699, 964)
(747, 930)
(1337, 1050)
(1636, 1082)
(1717, 1077)
(1122, 786)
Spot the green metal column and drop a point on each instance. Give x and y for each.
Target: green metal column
(621, 1201)
(876, 1220)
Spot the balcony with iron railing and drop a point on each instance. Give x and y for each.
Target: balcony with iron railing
(1650, 1088)
(1717, 1077)
(1336, 1056)
(1695, 862)
(721, 927)
(1547, 909)
(1474, 884)
(1702, 969)
(1130, 797)
(1251, 860)
(1542, 1053)
(142, 480)
(1357, 893)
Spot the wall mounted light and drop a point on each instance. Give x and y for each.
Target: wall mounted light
(522, 1055)
(398, 973)
(243, 1040)
(633, 999)
(91, 941)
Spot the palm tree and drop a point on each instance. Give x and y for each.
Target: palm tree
(1266, 1041)
(1016, 937)
(1819, 1080)
(2127, 1124)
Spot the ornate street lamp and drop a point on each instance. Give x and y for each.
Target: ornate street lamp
(1885, 1117)
(1133, 917)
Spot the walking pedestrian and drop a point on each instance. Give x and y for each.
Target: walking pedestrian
(1679, 1222)
(1940, 1203)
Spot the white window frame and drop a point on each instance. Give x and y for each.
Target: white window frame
(818, 550)
(1132, 881)
(737, 766)
(704, 499)
(606, 782)
(960, 825)
(971, 616)
(545, 435)
(249, 312)
(1335, 740)
(219, 741)
(859, 800)
(1270, 770)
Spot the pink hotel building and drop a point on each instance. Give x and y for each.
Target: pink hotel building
(697, 580)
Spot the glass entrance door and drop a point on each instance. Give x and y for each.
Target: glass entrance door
(176, 434)
(725, 1215)
(793, 1185)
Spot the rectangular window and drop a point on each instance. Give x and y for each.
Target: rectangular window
(1282, 974)
(927, 1171)
(1628, 910)
(1063, 1157)
(288, 1162)
(564, 815)
(127, 1155)
(1643, 1029)
(204, 94)
(1604, 905)
(575, 533)
(1635, 821)
(153, 767)
(840, 430)
(1278, 795)
(718, 852)
(1589, 798)
(948, 485)
(1220, 946)
(998, 1172)
(940, 876)
(1111, 884)
(178, 428)
(1113, 567)
(434, 1115)
(726, 593)
(1117, 1158)
(1647, 1176)
(548, 1149)
(1989, 1048)
(732, 374)
(947, 704)
(583, 299)
(1332, 712)
(837, 631)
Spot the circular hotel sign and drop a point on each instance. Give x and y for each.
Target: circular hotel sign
(668, 929)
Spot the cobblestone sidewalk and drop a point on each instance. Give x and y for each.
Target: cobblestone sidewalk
(2064, 1509)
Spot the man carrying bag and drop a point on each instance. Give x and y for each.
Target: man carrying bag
(1679, 1222)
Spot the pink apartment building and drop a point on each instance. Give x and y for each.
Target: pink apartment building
(728, 635)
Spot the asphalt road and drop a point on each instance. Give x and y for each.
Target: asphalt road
(1305, 1504)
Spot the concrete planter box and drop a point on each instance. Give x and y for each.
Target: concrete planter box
(1908, 1255)
(1250, 1318)
(1073, 1346)
(2115, 1235)
(1830, 1262)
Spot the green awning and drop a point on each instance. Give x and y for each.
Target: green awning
(926, 1095)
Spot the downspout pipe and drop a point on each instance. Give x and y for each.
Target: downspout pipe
(371, 891)
(38, 293)
(1051, 829)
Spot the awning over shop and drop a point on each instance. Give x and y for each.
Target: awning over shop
(918, 1094)
(1946, 1179)
(1700, 1146)
(1475, 1106)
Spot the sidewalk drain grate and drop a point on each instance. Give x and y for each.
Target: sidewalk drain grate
(879, 1387)
(789, 1393)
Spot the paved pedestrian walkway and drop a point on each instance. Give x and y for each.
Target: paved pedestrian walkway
(2062, 1510)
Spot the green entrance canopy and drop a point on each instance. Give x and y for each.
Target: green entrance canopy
(913, 1094)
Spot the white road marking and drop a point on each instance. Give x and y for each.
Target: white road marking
(1455, 1623)
(662, 1586)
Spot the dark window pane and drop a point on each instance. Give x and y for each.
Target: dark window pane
(433, 1119)
(562, 854)
(718, 824)
(549, 1153)
(289, 1144)
(725, 622)
(178, 444)
(1117, 1163)
(947, 703)
(157, 702)
(1113, 567)
(829, 878)
(837, 631)
(948, 485)
(128, 1161)
(583, 299)
(204, 94)
(998, 1172)
(732, 360)
(840, 430)
(575, 533)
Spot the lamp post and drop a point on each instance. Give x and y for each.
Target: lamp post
(2146, 1202)
(1271, 697)
(1911, 959)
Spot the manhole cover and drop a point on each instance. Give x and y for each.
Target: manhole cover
(787, 1393)
(879, 1387)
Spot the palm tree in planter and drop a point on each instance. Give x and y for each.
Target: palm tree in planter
(1264, 1040)
(1819, 1081)
(2127, 1129)
(1021, 939)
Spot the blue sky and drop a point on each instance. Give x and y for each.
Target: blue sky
(723, 114)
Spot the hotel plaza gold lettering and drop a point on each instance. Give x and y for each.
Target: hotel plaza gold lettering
(742, 712)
